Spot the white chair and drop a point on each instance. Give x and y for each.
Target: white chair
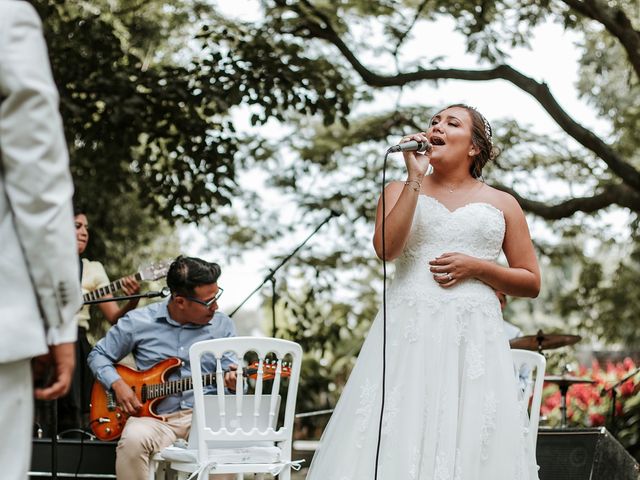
(239, 433)
(529, 370)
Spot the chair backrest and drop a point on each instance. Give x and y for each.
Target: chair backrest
(261, 359)
(243, 420)
(529, 368)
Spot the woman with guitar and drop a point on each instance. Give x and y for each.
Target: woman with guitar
(73, 408)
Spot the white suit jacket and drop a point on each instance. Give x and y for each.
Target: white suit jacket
(39, 268)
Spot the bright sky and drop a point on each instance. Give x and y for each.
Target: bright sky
(552, 59)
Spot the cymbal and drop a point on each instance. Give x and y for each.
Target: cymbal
(544, 341)
(566, 380)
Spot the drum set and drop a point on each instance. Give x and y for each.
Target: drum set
(547, 341)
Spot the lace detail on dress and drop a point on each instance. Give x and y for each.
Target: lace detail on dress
(489, 412)
(459, 230)
(474, 362)
(391, 410)
(413, 466)
(442, 471)
(462, 326)
(458, 474)
(411, 330)
(364, 412)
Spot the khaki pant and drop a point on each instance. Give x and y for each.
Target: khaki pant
(16, 419)
(144, 436)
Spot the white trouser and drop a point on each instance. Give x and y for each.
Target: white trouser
(16, 419)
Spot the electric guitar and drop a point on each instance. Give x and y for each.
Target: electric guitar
(154, 271)
(107, 418)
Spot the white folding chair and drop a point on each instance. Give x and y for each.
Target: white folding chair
(239, 433)
(529, 370)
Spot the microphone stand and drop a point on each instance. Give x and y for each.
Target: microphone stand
(165, 292)
(614, 393)
(272, 271)
(54, 404)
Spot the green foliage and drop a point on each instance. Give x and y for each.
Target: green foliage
(256, 66)
(606, 294)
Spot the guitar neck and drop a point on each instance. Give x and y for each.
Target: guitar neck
(107, 289)
(159, 390)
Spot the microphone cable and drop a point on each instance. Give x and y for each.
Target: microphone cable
(384, 311)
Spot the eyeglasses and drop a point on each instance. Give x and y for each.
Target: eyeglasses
(207, 303)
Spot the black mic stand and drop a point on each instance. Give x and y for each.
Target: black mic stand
(54, 403)
(165, 292)
(614, 393)
(272, 271)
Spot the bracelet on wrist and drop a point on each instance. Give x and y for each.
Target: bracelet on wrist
(415, 184)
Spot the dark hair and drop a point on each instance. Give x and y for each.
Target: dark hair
(481, 137)
(187, 273)
(79, 209)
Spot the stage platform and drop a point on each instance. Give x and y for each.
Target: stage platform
(563, 454)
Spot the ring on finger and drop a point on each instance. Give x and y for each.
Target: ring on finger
(449, 276)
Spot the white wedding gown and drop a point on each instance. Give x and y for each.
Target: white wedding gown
(451, 410)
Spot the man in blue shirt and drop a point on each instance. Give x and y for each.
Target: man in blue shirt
(155, 333)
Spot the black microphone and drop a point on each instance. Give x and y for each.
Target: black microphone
(165, 292)
(411, 146)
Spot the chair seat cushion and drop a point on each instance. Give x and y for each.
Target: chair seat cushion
(270, 454)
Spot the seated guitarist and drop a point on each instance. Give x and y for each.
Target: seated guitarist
(152, 334)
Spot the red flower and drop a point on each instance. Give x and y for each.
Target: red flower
(596, 419)
(627, 388)
(628, 364)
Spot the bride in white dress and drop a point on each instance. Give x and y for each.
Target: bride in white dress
(450, 410)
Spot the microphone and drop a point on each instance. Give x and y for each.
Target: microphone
(165, 292)
(411, 146)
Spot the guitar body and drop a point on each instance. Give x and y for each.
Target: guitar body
(106, 417)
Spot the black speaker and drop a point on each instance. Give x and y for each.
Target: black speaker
(583, 454)
(92, 459)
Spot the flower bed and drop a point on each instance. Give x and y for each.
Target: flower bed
(587, 407)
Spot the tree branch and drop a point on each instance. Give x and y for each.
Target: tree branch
(617, 24)
(539, 91)
(611, 194)
(411, 25)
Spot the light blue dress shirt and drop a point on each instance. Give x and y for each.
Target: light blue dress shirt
(152, 336)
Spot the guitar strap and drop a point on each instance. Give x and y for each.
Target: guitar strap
(81, 267)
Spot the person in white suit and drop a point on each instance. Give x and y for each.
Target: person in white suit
(39, 266)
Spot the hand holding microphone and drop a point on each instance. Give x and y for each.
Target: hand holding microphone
(416, 150)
